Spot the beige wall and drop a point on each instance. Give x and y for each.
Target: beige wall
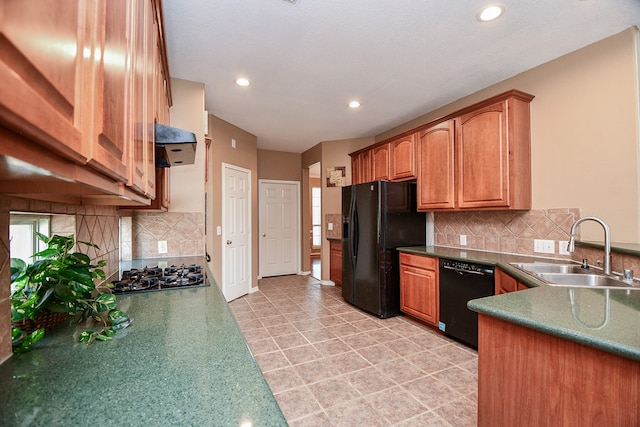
(279, 165)
(187, 113)
(245, 155)
(584, 133)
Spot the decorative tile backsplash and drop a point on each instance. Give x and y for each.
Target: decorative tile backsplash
(504, 231)
(96, 224)
(336, 221)
(183, 232)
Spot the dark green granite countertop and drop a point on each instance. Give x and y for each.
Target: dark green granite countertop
(605, 319)
(183, 361)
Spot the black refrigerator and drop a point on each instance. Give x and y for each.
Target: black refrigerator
(377, 217)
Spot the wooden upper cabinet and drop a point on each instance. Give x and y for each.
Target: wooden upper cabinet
(361, 167)
(493, 159)
(380, 162)
(44, 63)
(436, 167)
(483, 158)
(403, 158)
(78, 79)
(355, 169)
(108, 141)
(478, 158)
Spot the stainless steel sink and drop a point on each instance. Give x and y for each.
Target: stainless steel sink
(573, 275)
(583, 280)
(546, 267)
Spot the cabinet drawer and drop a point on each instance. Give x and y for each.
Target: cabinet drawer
(420, 261)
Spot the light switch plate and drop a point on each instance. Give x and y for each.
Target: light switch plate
(162, 247)
(330, 226)
(218, 230)
(463, 239)
(563, 247)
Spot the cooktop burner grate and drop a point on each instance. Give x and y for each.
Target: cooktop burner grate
(155, 278)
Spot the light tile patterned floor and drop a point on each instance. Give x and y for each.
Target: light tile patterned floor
(330, 364)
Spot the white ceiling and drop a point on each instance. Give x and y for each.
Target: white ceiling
(399, 58)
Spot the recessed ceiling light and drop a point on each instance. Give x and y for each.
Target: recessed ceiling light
(490, 13)
(243, 82)
(354, 104)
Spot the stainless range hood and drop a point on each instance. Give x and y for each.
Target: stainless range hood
(174, 147)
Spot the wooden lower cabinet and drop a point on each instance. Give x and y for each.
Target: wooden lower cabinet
(529, 378)
(419, 296)
(335, 262)
(506, 283)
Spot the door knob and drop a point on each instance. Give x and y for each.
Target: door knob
(264, 234)
(229, 242)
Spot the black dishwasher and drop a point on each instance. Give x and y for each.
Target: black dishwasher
(461, 282)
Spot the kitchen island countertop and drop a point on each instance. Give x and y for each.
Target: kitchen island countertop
(605, 319)
(183, 361)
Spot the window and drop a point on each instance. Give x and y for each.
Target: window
(316, 215)
(23, 240)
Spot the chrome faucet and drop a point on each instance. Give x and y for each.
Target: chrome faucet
(607, 240)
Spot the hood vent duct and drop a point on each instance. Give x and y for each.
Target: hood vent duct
(174, 147)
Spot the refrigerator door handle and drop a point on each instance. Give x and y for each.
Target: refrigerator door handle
(356, 235)
(352, 231)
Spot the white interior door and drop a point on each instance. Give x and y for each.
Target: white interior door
(279, 228)
(236, 235)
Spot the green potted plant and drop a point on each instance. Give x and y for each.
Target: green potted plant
(61, 281)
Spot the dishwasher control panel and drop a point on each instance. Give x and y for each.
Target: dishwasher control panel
(465, 266)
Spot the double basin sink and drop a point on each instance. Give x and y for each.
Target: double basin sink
(573, 275)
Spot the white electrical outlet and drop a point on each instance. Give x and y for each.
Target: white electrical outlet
(563, 247)
(330, 226)
(233, 143)
(218, 230)
(463, 239)
(549, 246)
(544, 246)
(162, 246)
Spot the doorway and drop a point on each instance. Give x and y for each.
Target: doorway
(236, 226)
(279, 227)
(315, 233)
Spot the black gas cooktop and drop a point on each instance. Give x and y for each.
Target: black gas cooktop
(154, 278)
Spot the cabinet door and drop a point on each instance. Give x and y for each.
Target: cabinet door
(403, 158)
(504, 282)
(436, 167)
(107, 144)
(44, 62)
(419, 287)
(335, 262)
(380, 156)
(483, 158)
(355, 169)
(365, 166)
(139, 151)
